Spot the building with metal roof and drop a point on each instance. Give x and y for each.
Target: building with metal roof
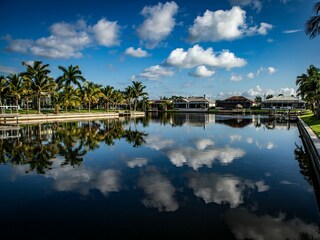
(194, 104)
(283, 102)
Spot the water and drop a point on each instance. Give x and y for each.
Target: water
(182, 175)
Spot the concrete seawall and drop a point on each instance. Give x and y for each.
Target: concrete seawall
(311, 144)
(43, 118)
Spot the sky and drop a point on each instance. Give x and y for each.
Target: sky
(217, 48)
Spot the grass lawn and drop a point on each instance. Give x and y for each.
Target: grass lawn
(312, 122)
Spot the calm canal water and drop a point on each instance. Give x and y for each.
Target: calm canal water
(183, 175)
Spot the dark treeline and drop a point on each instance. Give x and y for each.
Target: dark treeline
(35, 88)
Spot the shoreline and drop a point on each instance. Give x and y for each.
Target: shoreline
(18, 119)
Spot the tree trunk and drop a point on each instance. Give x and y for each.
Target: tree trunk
(39, 107)
(17, 104)
(57, 108)
(27, 104)
(66, 109)
(318, 109)
(89, 105)
(135, 104)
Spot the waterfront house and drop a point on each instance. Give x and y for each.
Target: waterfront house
(235, 102)
(194, 104)
(283, 102)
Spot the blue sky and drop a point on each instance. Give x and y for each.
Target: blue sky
(215, 48)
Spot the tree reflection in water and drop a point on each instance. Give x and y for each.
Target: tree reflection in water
(38, 145)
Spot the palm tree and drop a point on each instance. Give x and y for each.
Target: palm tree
(3, 88)
(91, 93)
(107, 91)
(40, 83)
(308, 87)
(16, 87)
(145, 103)
(71, 75)
(138, 91)
(312, 26)
(129, 95)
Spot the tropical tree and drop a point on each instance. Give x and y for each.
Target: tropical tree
(71, 75)
(16, 87)
(312, 26)
(129, 95)
(258, 99)
(144, 103)
(107, 91)
(40, 83)
(138, 91)
(308, 87)
(3, 88)
(91, 93)
(269, 96)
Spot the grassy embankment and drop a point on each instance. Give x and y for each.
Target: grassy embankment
(311, 121)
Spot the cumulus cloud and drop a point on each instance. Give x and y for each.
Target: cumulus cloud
(82, 180)
(158, 24)
(254, 4)
(137, 162)
(159, 191)
(106, 32)
(155, 72)
(202, 144)
(202, 71)
(259, 91)
(156, 142)
(67, 40)
(138, 53)
(196, 158)
(271, 70)
(223, 189)
(247, 225)
(196, 56)
(250, 75)
(235, 77)
(224, 25)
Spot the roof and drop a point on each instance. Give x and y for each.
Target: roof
(284, 99)
(197, 99)
(237, 99)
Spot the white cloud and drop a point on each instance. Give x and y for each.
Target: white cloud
(138, 53)
(271, 70)
(202, 144)
(6, 69)
(155, 73)
(196, 158)
(106, 32)
(254, 4)
(235, 137)
(158, 24)
(196, 56)
(250, 75)
(258, 91)
(202, 71)
(159, 191)
(247, 225)
(224, 25)
(67, 40)
(83, 180)
(235, 77)
(292, 31)
(222, 189)
(137, 162)
(270, 40)
(158, 143)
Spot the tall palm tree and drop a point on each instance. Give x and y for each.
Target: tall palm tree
(312, 26)
(91, 93)
(309, 87)
(16, 87)
(71, 75)
(129, 95)
(40, 83)
(107, 91)
(3, 88)
(138, 91)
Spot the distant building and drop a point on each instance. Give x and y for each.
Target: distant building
(155, 105)
(283, 102)
(194, 104)
(235, 102)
